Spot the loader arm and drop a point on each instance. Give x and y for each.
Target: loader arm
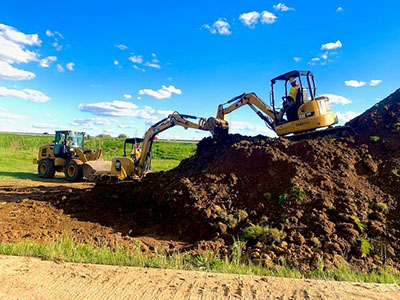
(264, 111)
(174, 119)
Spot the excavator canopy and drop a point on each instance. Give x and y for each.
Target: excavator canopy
(294, 73)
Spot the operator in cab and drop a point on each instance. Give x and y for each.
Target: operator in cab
(290, 101)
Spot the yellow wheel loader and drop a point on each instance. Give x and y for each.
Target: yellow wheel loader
(138, 162)
(68, 155)
(298, 120)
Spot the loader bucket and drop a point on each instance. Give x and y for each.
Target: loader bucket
(95, 168)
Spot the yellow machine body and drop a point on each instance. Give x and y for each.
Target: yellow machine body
(312, 114)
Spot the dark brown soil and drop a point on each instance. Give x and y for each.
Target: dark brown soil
(322, 202)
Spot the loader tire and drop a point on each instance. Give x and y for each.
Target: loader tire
(46, 168)
(73, 170)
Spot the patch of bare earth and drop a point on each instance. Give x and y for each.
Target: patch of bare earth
(30, 278)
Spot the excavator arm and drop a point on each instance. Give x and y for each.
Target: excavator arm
(174, 119)
(265, 112)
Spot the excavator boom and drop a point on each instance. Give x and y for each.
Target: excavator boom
(136, 168)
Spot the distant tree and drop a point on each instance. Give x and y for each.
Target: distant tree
(104, 136)
(122, 136)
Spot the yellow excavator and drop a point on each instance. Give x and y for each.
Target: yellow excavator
(138, 162)
(301, 120)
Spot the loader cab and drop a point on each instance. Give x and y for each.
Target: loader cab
(65, 141)
(306, 92)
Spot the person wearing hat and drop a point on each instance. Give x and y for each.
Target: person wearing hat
(290, 100)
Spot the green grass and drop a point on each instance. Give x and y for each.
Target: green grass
(18, 150)
(67, 250)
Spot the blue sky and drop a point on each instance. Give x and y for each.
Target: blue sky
(119, 66)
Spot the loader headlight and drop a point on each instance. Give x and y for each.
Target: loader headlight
(118, 165)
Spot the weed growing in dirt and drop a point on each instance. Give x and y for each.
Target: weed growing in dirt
(263, 233)
(267, 196)
(396, 172)
(382, 206)
(295, 195)
(365, 246)
(67, 250)
(374, 139)
(359, 224)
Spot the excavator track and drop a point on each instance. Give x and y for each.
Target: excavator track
(329, 133)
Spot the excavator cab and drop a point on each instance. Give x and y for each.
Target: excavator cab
(135, 150)
(308, 113)
(306, 92)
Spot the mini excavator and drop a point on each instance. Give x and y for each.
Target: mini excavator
(300, 121)
(138, 162)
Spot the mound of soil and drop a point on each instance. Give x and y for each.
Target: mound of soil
(310, 203)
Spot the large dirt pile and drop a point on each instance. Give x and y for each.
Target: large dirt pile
(305, 204)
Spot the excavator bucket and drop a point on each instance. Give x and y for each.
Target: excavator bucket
(95, 168)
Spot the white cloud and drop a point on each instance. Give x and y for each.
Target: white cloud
(267, 17)
(11, 34)
(339, 9)
(127, 96)
(90, 123)
(26, 94)
(346, 116)
(60, 68)
(116, 62)
(137, 59)
(316, 59)
(121, 47)
(4, 115)
(375, 82)
(50, 33)
(8, 72)
(297, 59)
(250, 19)
(164, 92)
(48, 126)
(124, 126)
(324, 56)
(282, 7)
(337, 99)
(331, 46)
(13, 49)
(154, 60)
(122, 109)
(354, 83)
(45, 62)
(221, 26)
(55, 35)
(70, 66)
(247, 128)
(139, 69)
(152, 65)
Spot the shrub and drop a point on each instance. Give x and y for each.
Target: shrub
(282, 198)
(263, 233)
(267, 196)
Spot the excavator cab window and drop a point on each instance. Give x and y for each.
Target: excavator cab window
(135, 148)
(306, 92)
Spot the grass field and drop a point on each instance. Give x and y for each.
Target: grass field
(18, 150)
(67, 250)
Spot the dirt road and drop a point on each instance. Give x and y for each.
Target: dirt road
(30, 278)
